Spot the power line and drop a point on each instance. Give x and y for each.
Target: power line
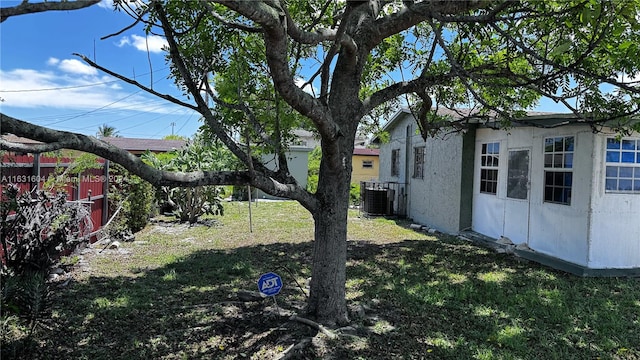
(58, 88)
(186, 122)
(71, 87)
(94, 110)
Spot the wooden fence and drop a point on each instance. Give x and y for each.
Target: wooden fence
(32, 171)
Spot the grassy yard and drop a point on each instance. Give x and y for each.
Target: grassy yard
(172, 294)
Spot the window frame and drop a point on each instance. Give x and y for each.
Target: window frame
(518, 174)
(395, 162)
(558, 169)
(624, 161)
(367, 164)
(489, 167)
(418, 162)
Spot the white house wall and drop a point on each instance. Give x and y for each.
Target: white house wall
(554, 229)
(297, 161)
(615, 222)
(433, 200)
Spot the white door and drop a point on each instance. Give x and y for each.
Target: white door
(488, 194)
(516, 210)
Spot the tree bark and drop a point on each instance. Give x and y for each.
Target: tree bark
(327, 302)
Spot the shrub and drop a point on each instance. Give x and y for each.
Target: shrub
(314, 169)
(189, 203)
(135, 195)
(35, 228)
(354, 194)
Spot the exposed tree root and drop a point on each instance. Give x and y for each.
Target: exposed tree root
(330, 334)
(293, 349)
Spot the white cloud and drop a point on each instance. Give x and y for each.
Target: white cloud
(123, 41)
(75, 66)
(57, 89)
(53, 61)
(629, 78)
(106, 4)
(307, 88)
(155, 43)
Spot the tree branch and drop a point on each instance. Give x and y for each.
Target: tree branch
(275, 37)
(566, 69)
(135, 83)
(194, 89)
(405, 87)
(30, 8)
(230, 24)
(32, 148)
(308, 37)
(414, 14)
(55, 139)
(138, 19)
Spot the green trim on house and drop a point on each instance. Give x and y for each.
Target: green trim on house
(466, 178)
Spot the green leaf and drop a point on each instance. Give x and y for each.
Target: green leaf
(561, 49)
(625, 45)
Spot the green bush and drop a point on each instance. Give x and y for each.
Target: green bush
(136, 196)
(354, 194)
(314, 169)
(189, 203)
(35, 228)
(25, 301)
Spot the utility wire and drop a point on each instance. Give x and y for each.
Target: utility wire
(73, 86)
(58, 88)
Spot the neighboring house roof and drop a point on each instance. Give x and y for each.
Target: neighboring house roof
(366, 152)
(135, 144)
(306, 138)
(312, 139)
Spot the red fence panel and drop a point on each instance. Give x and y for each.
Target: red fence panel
(20, 170)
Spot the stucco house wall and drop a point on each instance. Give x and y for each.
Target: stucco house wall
(614, 234)
(580, 220)
(555, 229)
(435, 199)
(598, 229)
(361, 171)
(298, 162)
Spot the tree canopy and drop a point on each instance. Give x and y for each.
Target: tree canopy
(254, 70)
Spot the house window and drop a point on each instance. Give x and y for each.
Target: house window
(418, 162)
(489, 161)
(367, 164)
(558, 169)
(395, 162)
(623, 166)
(518, 174)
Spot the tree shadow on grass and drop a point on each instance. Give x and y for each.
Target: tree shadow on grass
(421, 299)
(187, 309)
(448, 299)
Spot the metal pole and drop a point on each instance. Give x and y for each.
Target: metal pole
(250, 219)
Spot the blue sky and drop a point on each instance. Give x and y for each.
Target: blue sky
(43, 83)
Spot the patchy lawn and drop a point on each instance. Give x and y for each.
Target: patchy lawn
(172, 294)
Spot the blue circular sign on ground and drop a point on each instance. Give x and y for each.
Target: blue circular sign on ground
(270, 284)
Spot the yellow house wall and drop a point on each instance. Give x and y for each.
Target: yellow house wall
(359, 173)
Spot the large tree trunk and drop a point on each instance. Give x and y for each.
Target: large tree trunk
(327, 301)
